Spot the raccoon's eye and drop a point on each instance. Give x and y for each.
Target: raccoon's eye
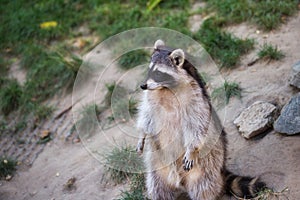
(158, 74)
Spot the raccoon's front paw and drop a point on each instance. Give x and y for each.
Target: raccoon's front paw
(140, 147)
(188, 162)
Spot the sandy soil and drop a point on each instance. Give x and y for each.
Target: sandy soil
(275, 157)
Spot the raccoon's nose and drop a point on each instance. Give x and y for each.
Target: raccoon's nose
(143, 86)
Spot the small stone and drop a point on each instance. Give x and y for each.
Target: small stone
(76, 140)
(33, 193)
(289, 120)
(57, 174)
(44, 134)
(294, 79)
(70, 184)
(256, 119)
(265, 36)
(79, 43)
(8, 177)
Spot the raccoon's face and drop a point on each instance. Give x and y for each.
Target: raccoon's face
(165, 68)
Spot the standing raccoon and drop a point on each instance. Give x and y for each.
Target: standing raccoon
(185, 145)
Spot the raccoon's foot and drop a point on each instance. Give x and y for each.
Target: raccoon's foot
(188, 161)
(140, 146)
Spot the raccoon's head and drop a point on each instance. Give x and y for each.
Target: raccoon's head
(169, 68)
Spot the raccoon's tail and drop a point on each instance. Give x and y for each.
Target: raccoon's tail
(243, 186)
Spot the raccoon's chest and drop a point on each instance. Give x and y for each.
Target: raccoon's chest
(167, 118)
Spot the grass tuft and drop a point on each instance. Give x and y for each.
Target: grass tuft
(137, 189)
(227, 91)
(7, 167)
(270, 52)
(133, 59)
(43, 112)
(222, 46)
(267, 15)
(45, 77)
(133, 107)
(122, 163)
(89, 121)
(118, 100)
(3, 126)
(10, 96)
(110, 87)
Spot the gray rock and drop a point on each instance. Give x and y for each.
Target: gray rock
(294, 79)
(256, 119)
(289, 120)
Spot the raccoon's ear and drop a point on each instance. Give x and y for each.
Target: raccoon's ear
(158, 43)
(177, 57)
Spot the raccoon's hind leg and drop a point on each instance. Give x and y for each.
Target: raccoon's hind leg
(157, 188)
(203, 186)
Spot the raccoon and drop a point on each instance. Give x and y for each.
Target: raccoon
(185, 145)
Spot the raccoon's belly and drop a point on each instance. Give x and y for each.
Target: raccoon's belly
(167, 168)
(164, 150)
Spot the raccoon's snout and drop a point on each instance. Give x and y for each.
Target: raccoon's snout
(144, 86)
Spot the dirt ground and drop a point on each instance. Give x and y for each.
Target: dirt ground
(274, 157)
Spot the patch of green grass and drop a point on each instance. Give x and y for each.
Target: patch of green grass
(133, 59)
(32, 54)
(44, 78)
(3, 66)
(70, 60)
(270, 52)
(7, 167)
(46, 74)
(88, 121)
(270, 14)
(222, 46)
(112, 18)
(122, 163)
(117, 99)
(19, 126)
(10, 96)
(3, 126)
(132, 195)
(21, 20)
(43, 112)
(226, 91)
(136, 194)
(110, 87)
(267, 15)
(120, 106)
(230, 10)
(133, 110)
(137, 189)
